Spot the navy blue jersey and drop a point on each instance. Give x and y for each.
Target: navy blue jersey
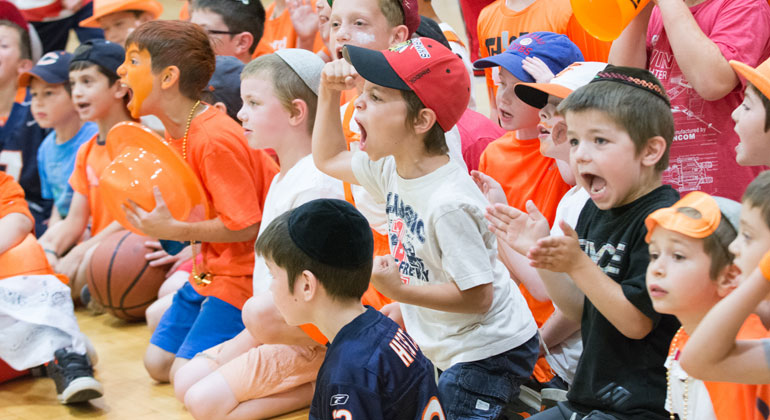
(374, 370)
(20, 138)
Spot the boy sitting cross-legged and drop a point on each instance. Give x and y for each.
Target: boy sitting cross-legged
(454, 294)
(319, 255)
(619, 128)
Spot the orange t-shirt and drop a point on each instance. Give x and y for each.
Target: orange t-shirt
(732, 401)
(761, 403)
(235, 179)
(12, 197)
(279, 33)
(90, 162)
(498, 26)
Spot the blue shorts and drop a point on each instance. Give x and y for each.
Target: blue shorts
(195, 323)
(481, 389)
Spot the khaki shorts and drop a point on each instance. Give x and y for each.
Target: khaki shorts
(269, 369)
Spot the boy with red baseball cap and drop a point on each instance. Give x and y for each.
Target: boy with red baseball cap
(455, 296)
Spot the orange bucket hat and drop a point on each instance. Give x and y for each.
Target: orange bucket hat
(103, 8)
(142, 160)
(711, 210)
(759, 77)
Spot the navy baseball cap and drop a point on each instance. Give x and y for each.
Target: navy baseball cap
(556, 51)
(99, 51)
(52, 68)
(225, 83)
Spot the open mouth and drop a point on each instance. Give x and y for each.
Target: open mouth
(82, 106)
(505, 115)
(595, 184)
(338, 52)
(543, 129)
(362, 144)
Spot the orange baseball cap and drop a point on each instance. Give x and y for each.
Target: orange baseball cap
(142, 160)
(103, 8)
(759, 77)
(711, 210)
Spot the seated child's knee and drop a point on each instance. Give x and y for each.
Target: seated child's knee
(197, 402)
(258, 314)
(158, 363)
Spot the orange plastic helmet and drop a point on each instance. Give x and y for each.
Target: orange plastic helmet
(142, 160)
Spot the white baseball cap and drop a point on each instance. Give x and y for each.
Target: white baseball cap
(574, 76)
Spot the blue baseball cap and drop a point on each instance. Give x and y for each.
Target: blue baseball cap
(555, 50)
(52, 68)
(98, 51)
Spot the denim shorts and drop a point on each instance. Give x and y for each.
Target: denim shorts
(481, 389)
(195, 323)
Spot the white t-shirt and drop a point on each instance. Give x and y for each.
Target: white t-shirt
(302, 183)
(367, 205)
(439, 235)
(698, 403)
(563, 357)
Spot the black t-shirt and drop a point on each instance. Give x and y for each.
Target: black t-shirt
(618, 375)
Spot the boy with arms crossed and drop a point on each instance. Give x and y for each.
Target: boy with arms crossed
(167, 65)
(319, 255)
(619, 127)
(445, 274)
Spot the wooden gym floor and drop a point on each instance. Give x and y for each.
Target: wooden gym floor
(129, 393)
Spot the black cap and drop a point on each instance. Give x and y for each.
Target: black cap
(98, 51)
(429, 29)
(332, 232)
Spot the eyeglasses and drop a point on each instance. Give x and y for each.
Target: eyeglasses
(216, 32)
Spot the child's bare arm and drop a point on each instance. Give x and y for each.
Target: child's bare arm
(61, 236)
(521, 231)
(445, 297)
(557, 329)
(14, 228)
(630, 48)
(330, 152)
(713, 354)
(694, 51)
(159, 223)
(563, 254)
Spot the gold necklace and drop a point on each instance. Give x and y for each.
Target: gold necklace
(200, 279)
(669, 395)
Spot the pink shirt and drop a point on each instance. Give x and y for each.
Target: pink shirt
(703, 153)
(476, 132)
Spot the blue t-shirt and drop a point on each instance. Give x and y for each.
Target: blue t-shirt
(374, 370)
(55, 162)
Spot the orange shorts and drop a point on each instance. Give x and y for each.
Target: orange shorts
(269, 369)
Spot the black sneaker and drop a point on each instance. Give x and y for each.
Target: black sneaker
(74, 377)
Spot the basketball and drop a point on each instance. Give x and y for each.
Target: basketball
(121, 279)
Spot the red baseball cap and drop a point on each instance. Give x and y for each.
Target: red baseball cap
(9, 12)
(422, 65)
